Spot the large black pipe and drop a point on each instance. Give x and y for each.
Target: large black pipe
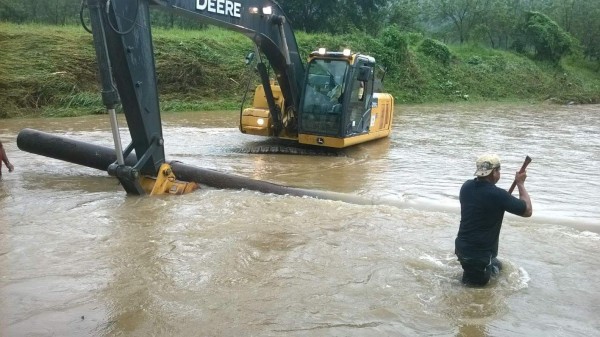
(100, 157)
(69, 150)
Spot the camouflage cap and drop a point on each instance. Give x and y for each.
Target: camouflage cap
(485, 164)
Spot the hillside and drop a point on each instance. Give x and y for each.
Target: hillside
(51, 71)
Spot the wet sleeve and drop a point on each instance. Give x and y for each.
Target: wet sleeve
(514, 205)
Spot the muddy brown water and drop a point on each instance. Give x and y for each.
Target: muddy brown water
(78, 257)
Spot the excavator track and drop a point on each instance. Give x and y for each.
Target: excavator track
(282, 147)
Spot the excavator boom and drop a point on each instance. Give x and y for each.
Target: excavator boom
(125, 55)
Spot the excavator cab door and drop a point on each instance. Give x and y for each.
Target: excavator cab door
(322, 104)
(358, 117)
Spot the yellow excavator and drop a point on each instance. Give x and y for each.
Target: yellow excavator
(332, 101)
(338, 106)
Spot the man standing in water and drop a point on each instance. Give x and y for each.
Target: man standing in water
(482, 207)
(4, 158)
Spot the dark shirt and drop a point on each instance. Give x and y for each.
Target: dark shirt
(482, 207)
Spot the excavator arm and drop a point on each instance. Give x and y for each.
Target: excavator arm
(124, 51)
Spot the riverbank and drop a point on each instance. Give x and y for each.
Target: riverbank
(51, 71)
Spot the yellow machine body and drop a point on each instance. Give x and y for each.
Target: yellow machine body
(338, 105)
(380, 127)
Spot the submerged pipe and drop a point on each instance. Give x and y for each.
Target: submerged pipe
(100, 157)
(69, 150)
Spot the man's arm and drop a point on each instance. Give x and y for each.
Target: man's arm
(5, 159)
(523, 195)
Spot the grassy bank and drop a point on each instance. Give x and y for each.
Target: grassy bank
(51, 71)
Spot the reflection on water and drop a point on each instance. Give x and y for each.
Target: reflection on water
(78, 257)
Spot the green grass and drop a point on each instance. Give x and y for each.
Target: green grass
(51, 71)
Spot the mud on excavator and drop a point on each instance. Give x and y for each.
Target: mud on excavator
(331, 102)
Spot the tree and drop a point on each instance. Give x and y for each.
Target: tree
(57, 12)
(463, 15)
(550, 41)
(9, 12)
(335, 16)
(580, 19)
(406, 14)
(310, 15)
(501, 22)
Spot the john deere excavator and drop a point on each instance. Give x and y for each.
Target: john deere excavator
(329, 102)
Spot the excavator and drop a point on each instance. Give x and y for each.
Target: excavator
(331, 101)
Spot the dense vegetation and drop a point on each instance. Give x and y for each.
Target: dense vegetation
(459, 50)
(492, 23)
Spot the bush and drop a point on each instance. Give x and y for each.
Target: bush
(394, 46)
(435, 49)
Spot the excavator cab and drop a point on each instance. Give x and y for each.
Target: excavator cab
(337, 95)
(338, 106)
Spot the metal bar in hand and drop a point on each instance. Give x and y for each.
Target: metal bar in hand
(514, 184)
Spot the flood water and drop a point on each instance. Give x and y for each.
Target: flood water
(78, 257)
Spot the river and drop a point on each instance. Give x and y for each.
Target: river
(78, 257)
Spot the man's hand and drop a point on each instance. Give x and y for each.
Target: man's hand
(520, 177)
(523, 194)
(10, 167)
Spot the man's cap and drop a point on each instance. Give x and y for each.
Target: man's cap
(485, 164)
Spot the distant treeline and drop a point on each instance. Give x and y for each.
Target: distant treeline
(492, 23)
